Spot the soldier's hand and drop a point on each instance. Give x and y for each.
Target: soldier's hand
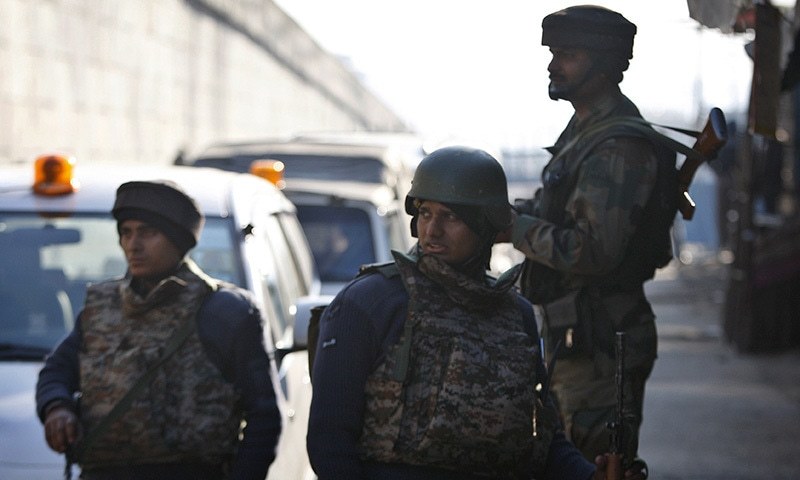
(61, 428)
(638, 470)
(505, 235)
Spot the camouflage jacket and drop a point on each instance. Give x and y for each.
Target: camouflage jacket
(231, 337)
(583, 234)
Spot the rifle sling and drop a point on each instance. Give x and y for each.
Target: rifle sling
(645, 128)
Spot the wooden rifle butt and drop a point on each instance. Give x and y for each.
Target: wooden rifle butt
(614, 466)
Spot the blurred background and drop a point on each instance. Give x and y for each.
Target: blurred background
(160, 81)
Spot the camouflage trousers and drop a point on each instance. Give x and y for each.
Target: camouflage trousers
(586, 417)
(586, 425)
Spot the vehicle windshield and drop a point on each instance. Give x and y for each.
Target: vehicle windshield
(316, 167)
(46, 264)
(340, 239)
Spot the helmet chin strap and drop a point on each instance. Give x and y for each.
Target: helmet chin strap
(478, 263)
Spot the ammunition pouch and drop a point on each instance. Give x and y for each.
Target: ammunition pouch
(541, 284)
(580, 323)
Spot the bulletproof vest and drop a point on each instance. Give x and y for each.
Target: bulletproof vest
(457, 391)
(650, 247)
(188, 412)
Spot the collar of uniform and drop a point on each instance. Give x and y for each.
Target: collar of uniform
(601, 109)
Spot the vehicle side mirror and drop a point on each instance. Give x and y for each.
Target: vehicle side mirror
(302, 319)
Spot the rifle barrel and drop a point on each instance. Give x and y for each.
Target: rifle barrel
(620, 384)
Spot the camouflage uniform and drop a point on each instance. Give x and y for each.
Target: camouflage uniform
(190, 417)
(181, 419)
(359, 426)
(457, 391)
(187, 422)
(576, 237)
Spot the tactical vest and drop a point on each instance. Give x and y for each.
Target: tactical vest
(650, 246)
(457, 390)
(188, 413)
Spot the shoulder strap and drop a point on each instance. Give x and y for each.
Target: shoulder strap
(387, 269)
(620, 127)
(646, 129)
(174, 342)
(616, 126)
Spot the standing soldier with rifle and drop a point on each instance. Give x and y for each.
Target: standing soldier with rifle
(597, 230)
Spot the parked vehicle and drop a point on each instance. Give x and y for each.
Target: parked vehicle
(368, 157)
(349, 189)
(348, 224)
(53, 243)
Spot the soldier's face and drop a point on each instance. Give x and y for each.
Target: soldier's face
(150, 254)
(442, 233)
(570, 70)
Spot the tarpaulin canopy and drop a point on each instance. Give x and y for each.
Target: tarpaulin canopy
(719, 14)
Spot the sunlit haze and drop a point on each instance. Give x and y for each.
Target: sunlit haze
(475, 71)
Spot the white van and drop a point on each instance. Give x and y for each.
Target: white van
(52, 244)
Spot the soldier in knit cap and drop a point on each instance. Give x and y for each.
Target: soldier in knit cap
(167, 361)
(594, 233)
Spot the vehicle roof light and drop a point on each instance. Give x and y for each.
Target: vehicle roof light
(270, 170)
(53, 175)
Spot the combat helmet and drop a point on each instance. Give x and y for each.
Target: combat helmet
(589, 26)
(465, 176)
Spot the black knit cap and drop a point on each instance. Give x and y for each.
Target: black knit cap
(589, 26)
(163, 205)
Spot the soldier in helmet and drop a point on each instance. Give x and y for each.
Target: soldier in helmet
(426, 368)
(594, 232)
(143, 412)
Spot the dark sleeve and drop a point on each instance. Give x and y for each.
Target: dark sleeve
(59, 378)
(565, 461)
(353, 331)
(230, 328)
(528, 318)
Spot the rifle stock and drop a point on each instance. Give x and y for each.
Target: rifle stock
(614, 467)
(710, 140)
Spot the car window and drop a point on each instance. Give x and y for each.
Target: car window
(218, 253)
(320, 167)
(291, 277)
(303, 259)
(46, 263)
(263, 267)
(281, 280)
(341, 239)
(45, 266)
(399, 231)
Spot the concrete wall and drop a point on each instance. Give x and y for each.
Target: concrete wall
(137, 80)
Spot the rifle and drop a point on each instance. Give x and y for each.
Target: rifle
(709, 141)
(614, 461)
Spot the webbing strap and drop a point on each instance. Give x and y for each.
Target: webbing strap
(645, 128)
